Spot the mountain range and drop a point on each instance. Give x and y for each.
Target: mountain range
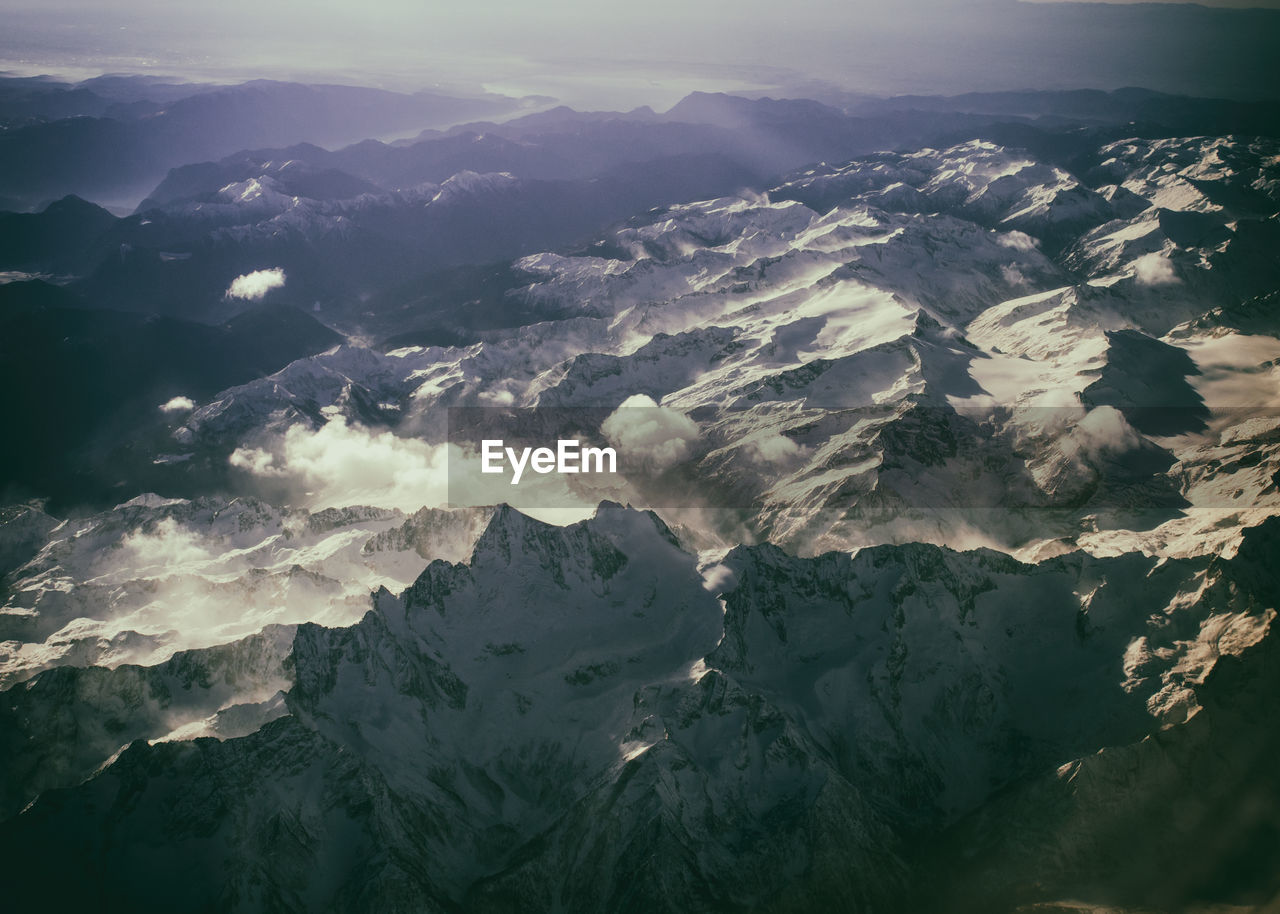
(938, 574)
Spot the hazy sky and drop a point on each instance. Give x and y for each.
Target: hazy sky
(1233, 4)
(618, 52)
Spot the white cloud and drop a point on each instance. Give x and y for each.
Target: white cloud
(1012, 275)
(499, 397)
(178, 405)
(774, 449)
(165, 548)
(256, 461)
(1019, 241)
(718, 578)
(655, 436)
(1154, 269)
(1104, 430)
(253, 286)
(339, 465)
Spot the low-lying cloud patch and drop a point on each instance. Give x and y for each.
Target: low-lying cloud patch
(650, 435)
(1019, 241)
(1013, 276)
(253, 286)
(1154, 269)
(339, 465)
(342, 465)
(178, 404)
(1103, 432)
(775, 450)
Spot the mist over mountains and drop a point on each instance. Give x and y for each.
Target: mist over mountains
(610, 55)
(938, 574)
(111, 137)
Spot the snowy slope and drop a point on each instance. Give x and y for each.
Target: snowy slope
(960, 552)
(570, 711)
(978, 324)
(155, 576)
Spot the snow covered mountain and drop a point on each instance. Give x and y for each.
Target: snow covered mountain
(944, 581)
(941, 332)
(571, 717)
(154, 576)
